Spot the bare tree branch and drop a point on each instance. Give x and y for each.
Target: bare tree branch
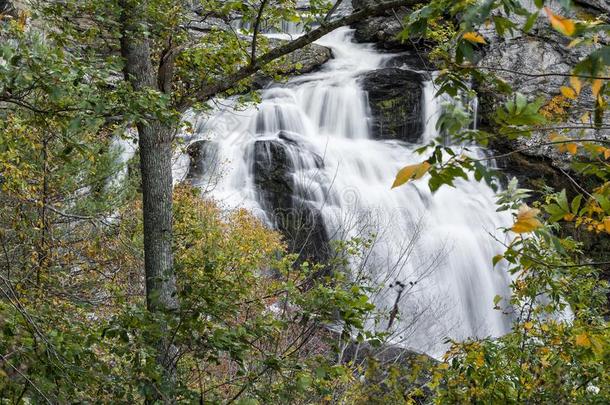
(257, 26)
(333, 10)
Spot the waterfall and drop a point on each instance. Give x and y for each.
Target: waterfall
(312, 139)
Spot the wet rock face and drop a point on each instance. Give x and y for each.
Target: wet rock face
(410, 59)
(272, 174)
(396, 101)
(203, 160)
(301, 224)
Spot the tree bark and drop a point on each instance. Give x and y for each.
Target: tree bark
(155, 142)
(156, 170)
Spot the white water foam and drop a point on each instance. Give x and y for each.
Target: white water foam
(437, 245)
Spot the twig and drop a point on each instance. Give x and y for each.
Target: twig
(257, 24)
(332, 11)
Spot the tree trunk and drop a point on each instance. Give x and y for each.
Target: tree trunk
(155, 165)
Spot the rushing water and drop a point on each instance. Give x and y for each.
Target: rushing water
(437, 245)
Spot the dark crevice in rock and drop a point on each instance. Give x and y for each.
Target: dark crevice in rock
(531, 171)
(601, 6)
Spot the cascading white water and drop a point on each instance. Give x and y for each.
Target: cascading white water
(436, 245)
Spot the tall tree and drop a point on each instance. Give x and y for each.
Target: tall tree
(155, 142)
(150, 71)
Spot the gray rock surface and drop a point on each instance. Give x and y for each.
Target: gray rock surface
(381, 30)
(384, 30)
(537, 65)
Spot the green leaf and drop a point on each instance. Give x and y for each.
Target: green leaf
(562, 200)
(576, 204)
(529, 23)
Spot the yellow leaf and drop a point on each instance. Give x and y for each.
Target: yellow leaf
(480, 360)
(561, 24)
(23, 19)
(575, 42)
(596, 86)
(562, 145)
(411, 172)
(585, 118)
(576, 84)
(607, 224)
(568, 92)
(474, 37)
(555, 137)
(583, 340)
(597, 345)
(607, 154)
(568, 217)
(572, 148)
(526, 220)
(528, 325)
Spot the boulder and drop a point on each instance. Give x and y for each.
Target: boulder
(396, 101)
(297, 219)
(358, 4)
(301, 61)
(416, 368)
(381, 30)
(306, 59)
